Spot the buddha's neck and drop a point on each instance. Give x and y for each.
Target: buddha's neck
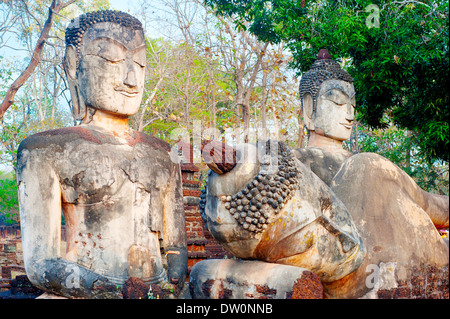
(328, 143)
(116, 124)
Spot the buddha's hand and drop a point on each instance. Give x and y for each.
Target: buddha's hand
(177, 258)
(219, 157)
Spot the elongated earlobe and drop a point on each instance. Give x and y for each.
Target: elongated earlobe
(70, 68)
(308, 111)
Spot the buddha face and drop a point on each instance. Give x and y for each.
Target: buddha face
(111, 68)
(335, 110)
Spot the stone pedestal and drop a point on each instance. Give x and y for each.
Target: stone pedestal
(251, 279)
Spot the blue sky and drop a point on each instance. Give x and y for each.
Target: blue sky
(122, 5)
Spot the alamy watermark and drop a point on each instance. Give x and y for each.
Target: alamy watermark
(373, 19)
(381, 276)
(73, 279)
(192, 145)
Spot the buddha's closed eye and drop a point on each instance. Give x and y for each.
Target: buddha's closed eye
(108, 59)
(337, 97)
(117, 60)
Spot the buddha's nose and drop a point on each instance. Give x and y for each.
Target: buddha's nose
(130, 79)
(350, 116)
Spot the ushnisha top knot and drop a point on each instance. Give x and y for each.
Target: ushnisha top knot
(324, 68)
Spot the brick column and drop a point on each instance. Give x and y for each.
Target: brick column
(201, 245)
(196, 240)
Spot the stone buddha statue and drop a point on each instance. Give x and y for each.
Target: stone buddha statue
(328, 100)
(396, 218)
(359, 223)
(280, 219)
(119, 191)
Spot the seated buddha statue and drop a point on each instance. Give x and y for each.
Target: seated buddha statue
(397, 219)
(118, 190)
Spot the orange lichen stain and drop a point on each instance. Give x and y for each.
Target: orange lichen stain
(309, 240)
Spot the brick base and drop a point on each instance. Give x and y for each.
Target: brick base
(427, 282)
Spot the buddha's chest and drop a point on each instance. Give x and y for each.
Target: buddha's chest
(105, 173)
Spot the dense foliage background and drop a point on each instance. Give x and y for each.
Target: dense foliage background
(397, 52)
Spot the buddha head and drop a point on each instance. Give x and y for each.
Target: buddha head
(328, 98)
(105, 63)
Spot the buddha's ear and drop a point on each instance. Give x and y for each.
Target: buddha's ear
(70, 62)
(308, 111)
(70, 68)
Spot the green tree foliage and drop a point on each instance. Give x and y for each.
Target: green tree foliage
(184, 84)
(9, 202)
(400, 65)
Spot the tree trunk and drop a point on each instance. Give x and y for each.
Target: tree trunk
(265, 94)
(54, 8)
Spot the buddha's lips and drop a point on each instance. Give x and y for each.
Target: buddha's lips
(126, 92)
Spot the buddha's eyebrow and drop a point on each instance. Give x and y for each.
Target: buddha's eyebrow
(120, 44)
(342, 91)
(143, 46)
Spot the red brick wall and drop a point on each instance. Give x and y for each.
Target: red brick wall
(426, 282)
(201, 245)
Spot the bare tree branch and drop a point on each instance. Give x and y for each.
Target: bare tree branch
(54, 8)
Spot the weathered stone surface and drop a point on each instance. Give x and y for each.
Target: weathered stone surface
(312, 230)
(358, 222)
(120, 192)
(393, 215)
(219, 157)
(323, 163)
(389, 213)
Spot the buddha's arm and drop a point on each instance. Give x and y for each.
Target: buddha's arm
(436, 206)
(392, 178)
(175, 229)
(40, 218)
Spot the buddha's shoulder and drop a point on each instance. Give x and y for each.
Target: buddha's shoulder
(60, 137)
(311, 154)
(150, 141)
